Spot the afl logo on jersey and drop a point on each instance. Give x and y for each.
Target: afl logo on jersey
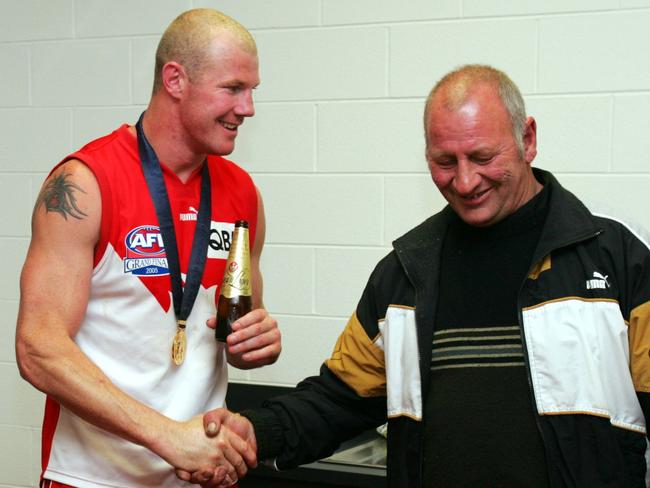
(145, 252)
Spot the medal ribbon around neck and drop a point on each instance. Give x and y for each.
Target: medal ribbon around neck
(183, 298)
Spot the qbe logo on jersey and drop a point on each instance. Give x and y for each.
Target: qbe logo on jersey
(145, 252)
(220, 239)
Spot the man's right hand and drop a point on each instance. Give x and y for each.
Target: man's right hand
(236, 438)
(217, 461)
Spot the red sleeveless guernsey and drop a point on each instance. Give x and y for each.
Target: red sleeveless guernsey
(129, 323)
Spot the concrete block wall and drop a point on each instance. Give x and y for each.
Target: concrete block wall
(336, 146)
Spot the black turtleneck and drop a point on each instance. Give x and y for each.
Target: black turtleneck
(480, 419)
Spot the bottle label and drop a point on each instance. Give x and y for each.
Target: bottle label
(237, 276)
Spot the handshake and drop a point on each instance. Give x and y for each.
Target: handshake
(214, 450)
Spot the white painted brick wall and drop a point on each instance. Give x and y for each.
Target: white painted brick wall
(16, 447)
(295, 122)
(369, 11)
(33, 138)
(341, 274)
(81, 72)
(525, 7)
(562, 131)
(143, 52)
(595, 52)
(317, 64)
(630, 146)
(336, 146)
(109, 18)
(15, 76)
(34, 20)
(422, 53)
(390, 133)
(263, 14)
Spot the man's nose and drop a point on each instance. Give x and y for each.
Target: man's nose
(246, 106)
(466, 179)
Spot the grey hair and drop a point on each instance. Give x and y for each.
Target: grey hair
(459, 82)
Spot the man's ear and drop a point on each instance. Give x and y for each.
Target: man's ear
(174, 79)
(530, 140)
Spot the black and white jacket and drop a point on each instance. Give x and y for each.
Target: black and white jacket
(584, 313)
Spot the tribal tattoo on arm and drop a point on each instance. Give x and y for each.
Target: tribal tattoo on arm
(59, 196)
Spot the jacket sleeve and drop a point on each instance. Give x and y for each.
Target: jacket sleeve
(347, 398)
(637, 307)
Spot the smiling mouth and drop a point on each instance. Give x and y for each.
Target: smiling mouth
(228, 125)
(475, 196)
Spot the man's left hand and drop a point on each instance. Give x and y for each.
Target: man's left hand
(255, 340)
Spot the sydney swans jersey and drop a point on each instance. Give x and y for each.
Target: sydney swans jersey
(129, 323)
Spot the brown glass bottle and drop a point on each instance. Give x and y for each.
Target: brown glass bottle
(236, 296)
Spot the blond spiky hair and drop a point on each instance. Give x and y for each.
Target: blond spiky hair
(187, 38)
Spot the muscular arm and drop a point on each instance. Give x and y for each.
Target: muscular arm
(55, 284)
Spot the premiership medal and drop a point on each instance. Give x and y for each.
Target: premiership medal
(179, 345)
(183, 298)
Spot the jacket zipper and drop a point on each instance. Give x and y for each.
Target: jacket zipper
(520, 317)
(421, 440)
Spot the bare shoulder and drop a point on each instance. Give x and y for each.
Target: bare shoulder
(70, 188)
(65, 229)
(69, 204)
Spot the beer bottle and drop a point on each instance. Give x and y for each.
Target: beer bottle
(235, 299)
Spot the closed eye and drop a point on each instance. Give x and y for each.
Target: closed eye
(481, 158)
(444, 162)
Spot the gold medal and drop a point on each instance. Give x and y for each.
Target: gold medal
(183, 298)
(179, 345)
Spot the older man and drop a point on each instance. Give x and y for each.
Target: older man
(130, 240)
(506, 339)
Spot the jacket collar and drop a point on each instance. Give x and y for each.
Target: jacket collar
(568, 221)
